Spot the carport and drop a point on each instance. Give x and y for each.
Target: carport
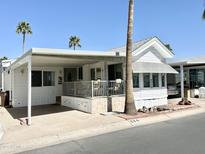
(26, 95)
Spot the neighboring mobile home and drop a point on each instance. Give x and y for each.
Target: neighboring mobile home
(90, 81)
(191, 78)
(4, 84)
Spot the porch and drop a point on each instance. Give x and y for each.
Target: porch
(90, 89)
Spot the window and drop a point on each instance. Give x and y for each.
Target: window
(92, 74)
(146, 78)
(98, 73)
(36, 78)
(115, 71)
(155, 80)
(197, 78)
(163, 80)
(135, 80)
(118, 71)
(48, 78)
(80, 73)
(70, 74)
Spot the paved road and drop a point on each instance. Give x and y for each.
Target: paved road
(181, 136)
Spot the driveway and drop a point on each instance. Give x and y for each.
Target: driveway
(1, 132)
(21, 112)
(48, 120)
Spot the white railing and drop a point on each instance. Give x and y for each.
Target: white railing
(93, 88)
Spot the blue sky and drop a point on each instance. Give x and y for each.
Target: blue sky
(102, 24)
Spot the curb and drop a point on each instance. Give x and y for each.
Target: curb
(100, 130)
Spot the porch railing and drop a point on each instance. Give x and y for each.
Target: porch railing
(93, 88)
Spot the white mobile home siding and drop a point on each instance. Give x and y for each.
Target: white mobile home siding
(47, 94)
(40, 95)
(150, 97)
(7, 81)
(151, 56)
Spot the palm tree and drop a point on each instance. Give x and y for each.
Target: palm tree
(24, 28)
(74, 42)
(3, 58)
(168, 47)
(203, 15)
(129, 98)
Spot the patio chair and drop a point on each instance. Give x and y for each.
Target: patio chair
(117, 87)
(96, 87)
(202, 92)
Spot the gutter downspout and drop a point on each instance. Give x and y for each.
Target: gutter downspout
(10, 93)
(182, 80)
(29, 67)
(2, 80)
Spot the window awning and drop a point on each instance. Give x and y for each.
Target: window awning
(145, 67)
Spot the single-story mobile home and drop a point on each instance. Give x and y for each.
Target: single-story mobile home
(90, 81)
(191, 77)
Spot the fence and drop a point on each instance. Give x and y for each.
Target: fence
(93, 88)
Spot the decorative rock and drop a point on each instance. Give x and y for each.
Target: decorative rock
(144, 109)
(184, 101)
(188, 102)
(162, 108)
(154, 109)
(181, 103)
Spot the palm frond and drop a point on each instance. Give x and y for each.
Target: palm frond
(74, 41)
(23, 28)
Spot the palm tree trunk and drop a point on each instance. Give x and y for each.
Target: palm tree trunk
(129, 98)
(24, 38)
(74, 47)
(203, 16)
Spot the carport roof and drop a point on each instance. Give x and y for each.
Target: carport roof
(65, 53)
(187, 62)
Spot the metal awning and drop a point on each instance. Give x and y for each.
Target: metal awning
(145, 67)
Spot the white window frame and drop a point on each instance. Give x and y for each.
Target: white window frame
(164, 80)
(138, 81)
(151, 81)
(42, 78)
(51, 82)
(152, 86)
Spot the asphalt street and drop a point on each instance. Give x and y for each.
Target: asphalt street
(180, 136)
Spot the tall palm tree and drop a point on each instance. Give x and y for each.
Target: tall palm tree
(74, 42)
(24, 28)
(129, 98)
(203, 15)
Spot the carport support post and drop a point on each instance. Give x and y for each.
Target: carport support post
(2, 79)
(92, 90)
(182, 80)
(29, 91)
